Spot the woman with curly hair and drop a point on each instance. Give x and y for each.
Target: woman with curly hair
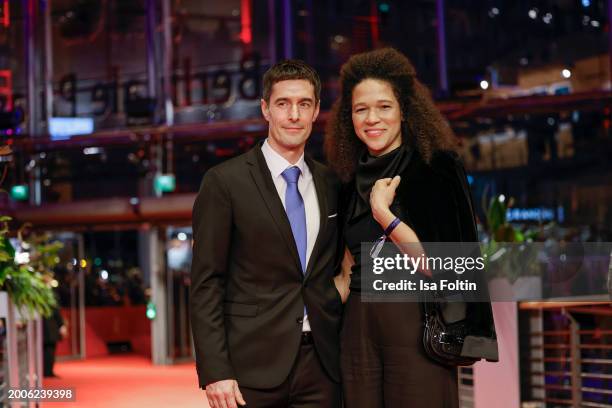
(394, 150)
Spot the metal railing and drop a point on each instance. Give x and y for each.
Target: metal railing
(567, 360)
(466, 386)
(21, 352)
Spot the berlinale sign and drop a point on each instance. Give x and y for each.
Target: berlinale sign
(220, 86)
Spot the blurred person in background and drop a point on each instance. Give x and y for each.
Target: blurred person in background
(54, 330)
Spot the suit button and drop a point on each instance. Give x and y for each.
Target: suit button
(300, 320)
(305, 284)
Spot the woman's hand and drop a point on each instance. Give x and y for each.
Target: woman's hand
(381, 197)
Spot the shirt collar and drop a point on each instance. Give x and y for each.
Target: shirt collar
(277, 163)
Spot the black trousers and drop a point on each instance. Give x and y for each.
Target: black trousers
(307, 386)
(383, 362)
(48, 359)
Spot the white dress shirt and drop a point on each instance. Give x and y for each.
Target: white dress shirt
(277, 164)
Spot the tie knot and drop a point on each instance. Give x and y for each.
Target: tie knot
(291, 174)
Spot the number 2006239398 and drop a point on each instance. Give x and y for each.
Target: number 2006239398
(41, 394)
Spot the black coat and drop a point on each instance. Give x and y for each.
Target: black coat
(435, 201)
(248, 291)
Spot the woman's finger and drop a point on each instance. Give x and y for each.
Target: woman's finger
(395, 182)
(383, 181)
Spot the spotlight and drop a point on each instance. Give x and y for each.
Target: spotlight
(22, 258)
(533, 13)
(484, 84)
(88, 151)
(566, 73)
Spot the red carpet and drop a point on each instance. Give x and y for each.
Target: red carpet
(127, 381)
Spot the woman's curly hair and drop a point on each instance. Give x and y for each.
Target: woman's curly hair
(423, 126)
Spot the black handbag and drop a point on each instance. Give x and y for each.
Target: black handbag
(444, 341)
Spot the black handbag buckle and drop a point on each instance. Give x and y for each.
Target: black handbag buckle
(448, 338)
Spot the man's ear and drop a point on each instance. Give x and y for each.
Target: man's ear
(316, 112)
(265, 109)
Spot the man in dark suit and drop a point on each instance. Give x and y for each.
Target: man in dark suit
(265, 312)
(54, 330)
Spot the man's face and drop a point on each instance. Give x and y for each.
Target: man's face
(290, 114)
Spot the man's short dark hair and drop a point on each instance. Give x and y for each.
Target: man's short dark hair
(287, 70)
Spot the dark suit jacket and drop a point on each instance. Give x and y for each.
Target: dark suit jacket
(248, 290)
(51, 326)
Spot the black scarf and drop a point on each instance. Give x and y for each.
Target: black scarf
(371, 168)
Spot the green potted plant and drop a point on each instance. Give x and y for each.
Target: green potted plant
(508, 255)
(23, 278)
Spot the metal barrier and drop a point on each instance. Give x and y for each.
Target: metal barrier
(21, 352)
(466, 386)
(566, 359)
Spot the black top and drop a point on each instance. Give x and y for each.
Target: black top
(362, 229)
(361, 226)
(372, 168)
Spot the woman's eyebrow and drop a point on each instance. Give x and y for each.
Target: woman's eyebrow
(378, 101)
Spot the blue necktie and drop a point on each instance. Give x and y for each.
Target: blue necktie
(295, 212)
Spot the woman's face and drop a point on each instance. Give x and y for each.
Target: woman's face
(377, 116)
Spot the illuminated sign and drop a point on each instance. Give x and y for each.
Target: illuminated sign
(165, 183)
(63, 128)
(6, 90)
(5, 18)
(20, 192)
(535, 214)
(151, 311)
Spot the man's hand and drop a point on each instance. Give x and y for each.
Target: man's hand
(63, 331)
(343, 280)
(224, 394)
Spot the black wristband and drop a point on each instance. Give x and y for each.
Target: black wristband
(392, 226)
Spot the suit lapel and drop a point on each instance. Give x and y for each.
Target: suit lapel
(263, 179)
(321, 189)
